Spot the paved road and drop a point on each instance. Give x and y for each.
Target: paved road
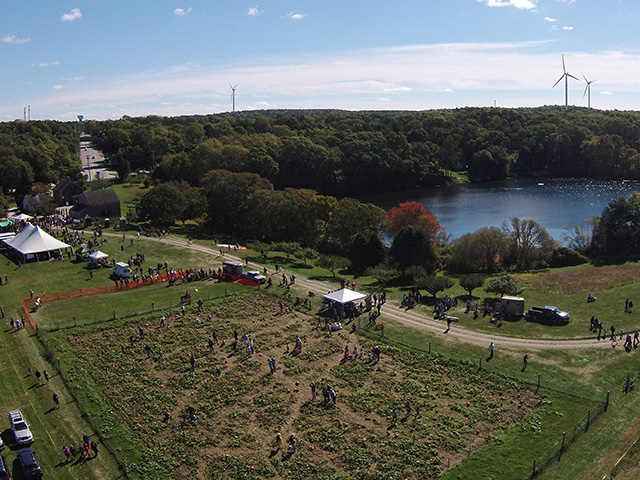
(93, 162)
(411, 317)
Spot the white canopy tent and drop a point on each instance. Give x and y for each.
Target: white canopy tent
(97, 256)
(33, 240)
(21, 216)
(344, 296)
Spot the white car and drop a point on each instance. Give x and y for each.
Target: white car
(20, 428)
(256, 277)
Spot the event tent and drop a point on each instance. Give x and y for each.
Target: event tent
(33, 240)
(21, 217)
(97, 256)
(344, 296)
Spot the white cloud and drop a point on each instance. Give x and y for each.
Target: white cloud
(295, 16)
(549, 19)
(397, 89)
(414, 77)
(606, 93)
(12, 39)
(520, 4)
(567, 28)
(58, 87)
(74, 14)
(48, 64)
(254, 11)
(181, 12)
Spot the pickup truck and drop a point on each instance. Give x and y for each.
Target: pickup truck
(548, 314)
(255, 276)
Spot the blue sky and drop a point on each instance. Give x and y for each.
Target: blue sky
(106, 59)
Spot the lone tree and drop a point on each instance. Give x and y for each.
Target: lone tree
(471, 282)
(433, 284)
(333, 263)
(504, 285)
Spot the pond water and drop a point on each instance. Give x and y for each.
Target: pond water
(552, 203)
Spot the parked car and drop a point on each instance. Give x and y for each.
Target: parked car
(29, 464)
(20, 428)
(255, 276)
(4, 469)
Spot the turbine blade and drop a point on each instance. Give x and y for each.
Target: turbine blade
(559, 80)
(569, 75)
(585, 78)
(563, 67)
(585, 90)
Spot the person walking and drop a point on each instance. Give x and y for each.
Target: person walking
(492, 348)
(525, 362)
(279, 442)
(313, 391)
(56, 400)
(67, 453)
(94, 447)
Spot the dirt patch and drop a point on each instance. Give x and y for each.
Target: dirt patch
(445, 410)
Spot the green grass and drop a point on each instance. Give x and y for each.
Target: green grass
(160, 298)
(586, 373)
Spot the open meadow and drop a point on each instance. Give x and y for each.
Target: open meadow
(469, 418)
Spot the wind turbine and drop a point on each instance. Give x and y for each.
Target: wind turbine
(566, 76)
(587, 89)
(233, 96)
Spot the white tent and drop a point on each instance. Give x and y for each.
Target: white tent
(97, 256)
(21, 216)
(32, 240)
(344, 296)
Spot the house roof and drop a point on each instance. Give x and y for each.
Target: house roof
(34, 240)
(98, 197)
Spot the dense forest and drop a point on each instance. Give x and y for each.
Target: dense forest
(32, 152)
(351, 153)
(287, 176)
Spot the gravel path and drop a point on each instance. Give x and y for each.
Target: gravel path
(410, 317)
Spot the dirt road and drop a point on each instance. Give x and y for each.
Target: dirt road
(410, 317)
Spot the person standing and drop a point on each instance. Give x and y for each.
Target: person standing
(492, 348)
(525, 362)
(313, 391)
(56, 400)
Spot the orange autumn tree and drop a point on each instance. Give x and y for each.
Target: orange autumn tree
(412, 214)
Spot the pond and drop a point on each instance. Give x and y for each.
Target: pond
(552, 203)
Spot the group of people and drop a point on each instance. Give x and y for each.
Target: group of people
(83, 451)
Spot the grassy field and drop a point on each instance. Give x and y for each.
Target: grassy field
(96, 362)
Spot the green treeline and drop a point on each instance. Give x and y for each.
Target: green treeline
(37, 151)
(351, 153)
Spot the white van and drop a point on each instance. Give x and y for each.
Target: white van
(122, 270)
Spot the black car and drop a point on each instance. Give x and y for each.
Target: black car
(4, 469)
(29, 464)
